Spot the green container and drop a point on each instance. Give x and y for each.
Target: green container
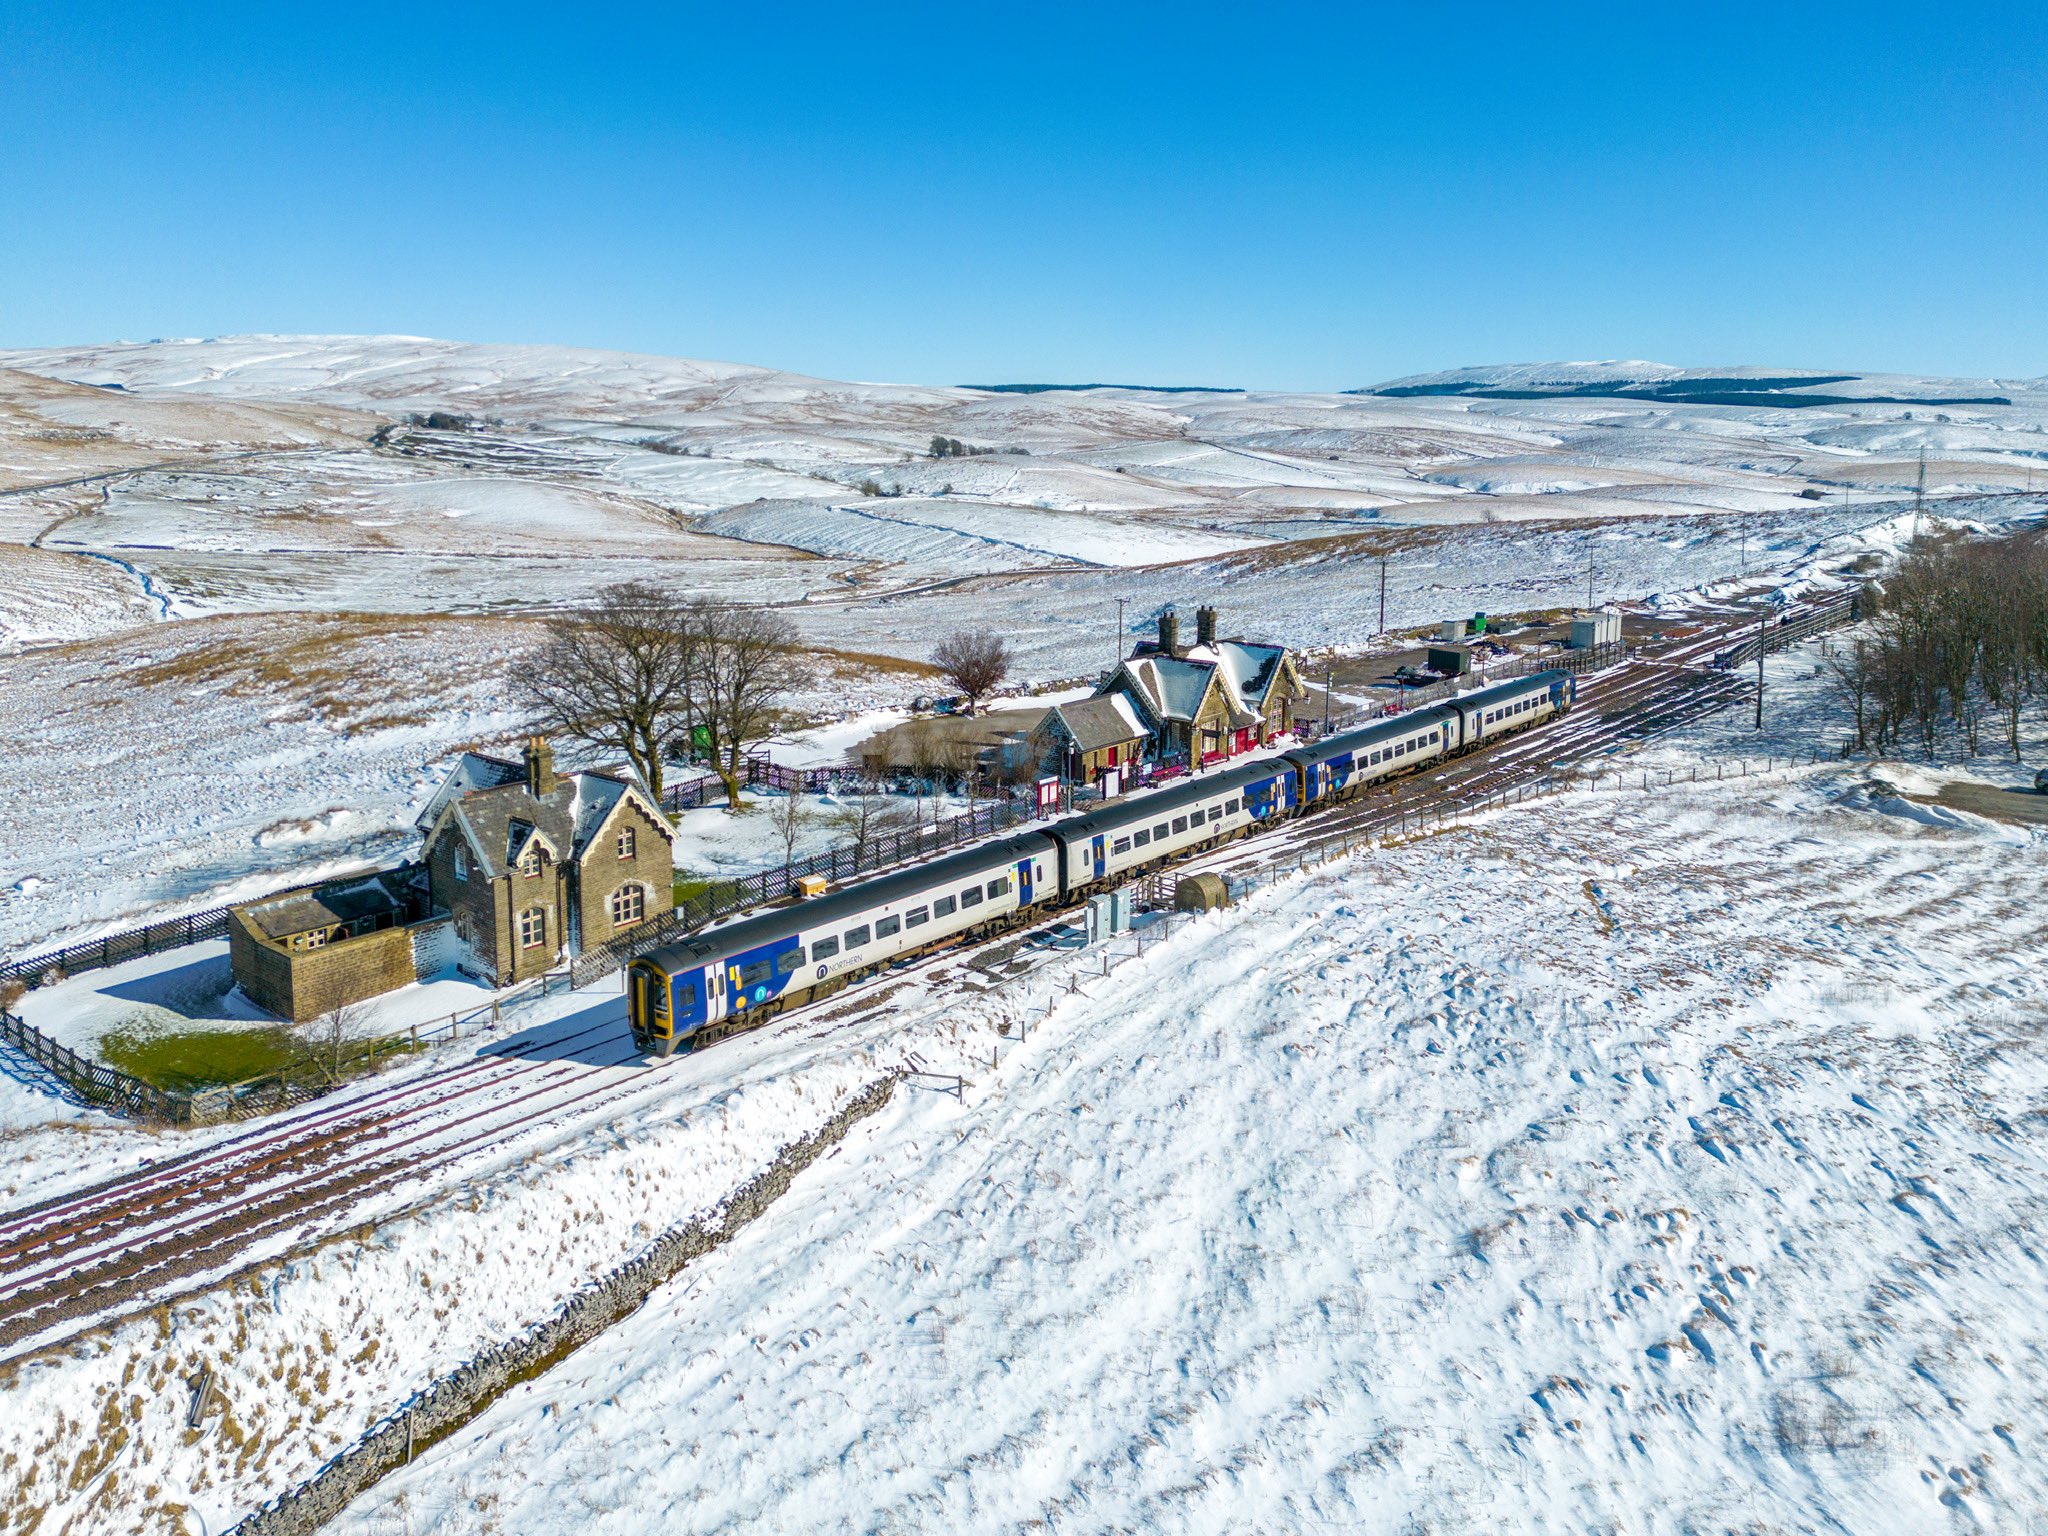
(1478, 623)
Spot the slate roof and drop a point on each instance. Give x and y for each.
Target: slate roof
(325, 906)
(1106, 720)
(1171, 688)
(501, 816)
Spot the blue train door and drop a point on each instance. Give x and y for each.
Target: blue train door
(1023, 882)
(1099, 848)
(692, 1000)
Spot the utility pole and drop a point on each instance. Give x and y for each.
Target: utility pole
(1920, 492)
(1329, 683)
(1116, 660)
(1383, 594)
(1589, 573)
(1762, 612)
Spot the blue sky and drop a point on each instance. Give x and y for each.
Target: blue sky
(1267, 196)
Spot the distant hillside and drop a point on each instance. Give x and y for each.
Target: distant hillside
(1150, 389)
(1665, 385)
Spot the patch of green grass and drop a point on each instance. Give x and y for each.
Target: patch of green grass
(180, 1061)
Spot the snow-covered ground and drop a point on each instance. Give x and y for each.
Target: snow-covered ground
(1631, 1160)
(1638, 1162)
(249, 584)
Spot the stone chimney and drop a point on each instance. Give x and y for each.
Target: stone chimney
(1169, 632)
(1205, 626)
(540, 766)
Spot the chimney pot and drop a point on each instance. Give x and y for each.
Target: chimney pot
(1169, 632)
(1205, 626)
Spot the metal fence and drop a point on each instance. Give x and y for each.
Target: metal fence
(1788, 632)
(723, 897)
(759, 771)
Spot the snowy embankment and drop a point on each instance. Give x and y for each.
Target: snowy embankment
(1629, 1162)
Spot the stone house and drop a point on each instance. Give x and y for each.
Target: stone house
(1211, 700)
(1082, 740)
(534, 865)
(306, 952)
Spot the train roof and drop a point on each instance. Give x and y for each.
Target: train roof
(1479, 698)
(1134, 810)
(1389, 729)
(847, 901)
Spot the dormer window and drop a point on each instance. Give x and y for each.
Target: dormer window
(629, 842)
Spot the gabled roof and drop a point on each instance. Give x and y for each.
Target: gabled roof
(1170, 688)
(499, 816)
(1107, 720)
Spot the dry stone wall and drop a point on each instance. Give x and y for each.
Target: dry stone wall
(465, 1392)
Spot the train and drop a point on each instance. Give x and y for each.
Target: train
(713, 983)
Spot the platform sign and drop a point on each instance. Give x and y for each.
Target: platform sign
(1048, 794)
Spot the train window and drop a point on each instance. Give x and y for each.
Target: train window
(943, 907)
(824, 949)
(1141, 837)
(1230, 807)
(971, 897)
(1215, 813)
(1160, 830)
(888, 928)
(1121, 845)
(999, 887)
(1180, 823)
(753, 975)
(686, 997)
(855, 937)
(917, 917)
(787, 962)
(1373, 759)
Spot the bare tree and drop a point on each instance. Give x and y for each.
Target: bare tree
(792, 820)
(617, 675)
(975, 663)
(866, 816)
(325, 1042)
(745, 661)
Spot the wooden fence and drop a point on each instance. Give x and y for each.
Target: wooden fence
(113, 1090)
(117, 948)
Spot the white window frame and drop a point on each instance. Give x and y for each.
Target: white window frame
(539, 941)
(619, 895)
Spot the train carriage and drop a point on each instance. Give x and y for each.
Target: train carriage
(717, 981)
(1339, 766)
(1487, 713)
(1106, 844)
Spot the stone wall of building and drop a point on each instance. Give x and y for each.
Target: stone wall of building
(474, 905)
(601, 872)
(303, 984)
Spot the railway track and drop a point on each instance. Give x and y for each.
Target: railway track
(308, 1174)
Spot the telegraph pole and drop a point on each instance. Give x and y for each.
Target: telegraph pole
(1116, 660)
(1762, 612)
(1329, 683)
(1920, 492)
(1589, 573)
(1383, 594)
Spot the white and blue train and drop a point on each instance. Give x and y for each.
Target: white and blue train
(727, 978)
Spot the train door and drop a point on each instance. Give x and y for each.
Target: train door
(1023, 882)
(1098, 848)
(692, 999)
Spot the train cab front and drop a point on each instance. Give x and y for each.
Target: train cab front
(650, 1008)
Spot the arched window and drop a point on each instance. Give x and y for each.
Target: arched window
(629, 842)
(461, 862)
(533, 928)
(529, 861)
(629, 905)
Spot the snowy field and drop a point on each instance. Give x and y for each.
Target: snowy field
(254, 591)
(1633, 1161)
(1653, 1163)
